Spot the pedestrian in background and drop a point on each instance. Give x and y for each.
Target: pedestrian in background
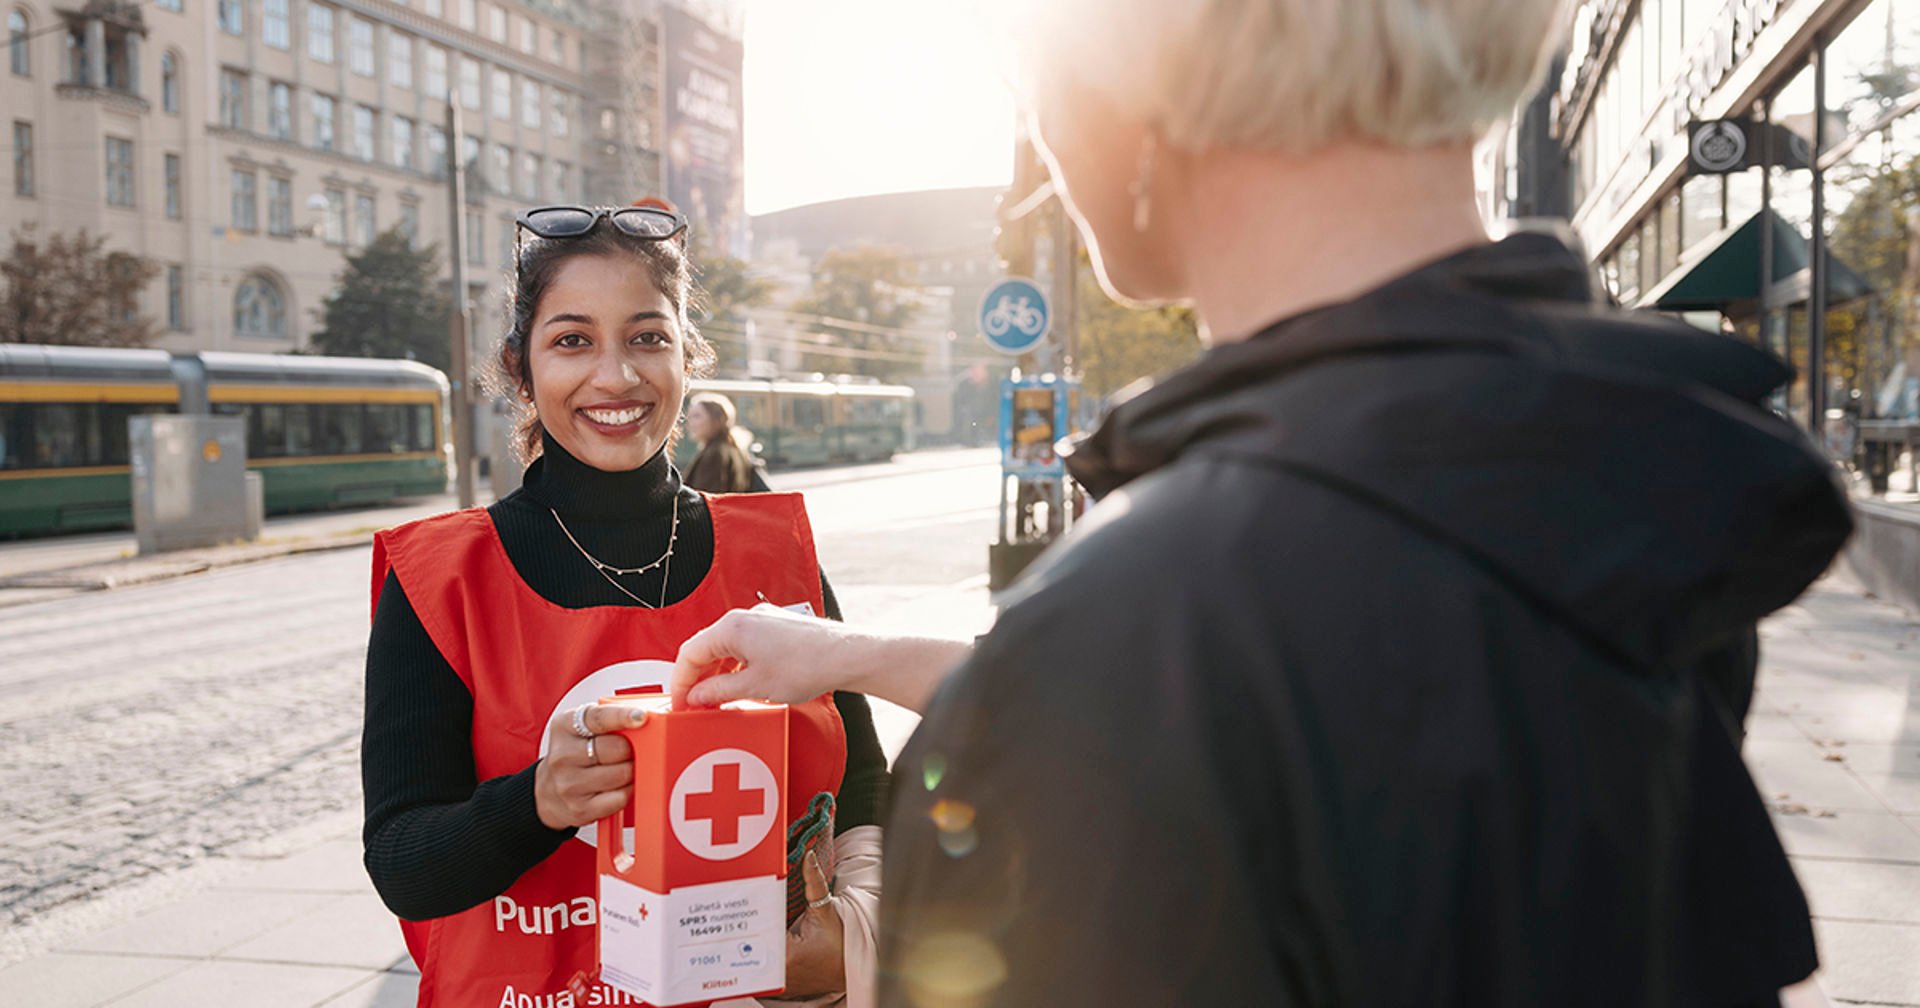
(723, 465)
(1374, 678)
(486, 761)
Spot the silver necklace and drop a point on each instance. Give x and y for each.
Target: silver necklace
(608, 570)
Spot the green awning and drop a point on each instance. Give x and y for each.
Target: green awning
(1723, 275)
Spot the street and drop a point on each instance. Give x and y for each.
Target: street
(149, 729)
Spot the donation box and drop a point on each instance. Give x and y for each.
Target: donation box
(693, 873)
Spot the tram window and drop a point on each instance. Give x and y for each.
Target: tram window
(383, 428)
(421, 428)
(746, 412)
(338, 429)
(13, 436)
(267, 431)
(299, 434)
(809, 413)
(115, 446)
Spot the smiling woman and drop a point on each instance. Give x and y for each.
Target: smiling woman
(481, 765)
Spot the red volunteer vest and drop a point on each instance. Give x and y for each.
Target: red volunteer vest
(525, 659)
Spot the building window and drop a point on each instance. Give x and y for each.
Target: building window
(259, 309)
(333, 227)
(18, 53)
(276, 25)
(363, 132)
(119, 172)
(529, 37)
(401, 138)
(470, 161)
(320, 33)
(400, 59)
(246, 204)
(279, 206)
(364, 227)
(497, 23)
(469, 83)
(176, 298)
(22, 158)
(436, 151)
(436, 8)
(410, 223)
(232, 15)
(168, 5)
(502, 94)
(476, 239)
(436, 72)
(169, 83)
(469, 14)
(559, 113)
(280, 110)
(562, 181)
(556, 47)
(233, 99)
(323, 121)
(360, 46)
(170, 183)
(530, 104)
(502, 178)
(531, 172)
(506, 242)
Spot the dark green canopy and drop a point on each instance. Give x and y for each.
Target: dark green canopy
(1724, 274)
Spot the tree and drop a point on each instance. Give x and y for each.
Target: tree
(1117, 345)
(389, 303)
(862, 298)
(69, 290)
(1878, 234)
(730, 290)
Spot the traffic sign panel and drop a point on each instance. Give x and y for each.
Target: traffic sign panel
(1014, 316)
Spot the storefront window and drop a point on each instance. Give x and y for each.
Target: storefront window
(1699, 210)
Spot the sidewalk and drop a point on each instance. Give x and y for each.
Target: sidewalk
(1835, 745)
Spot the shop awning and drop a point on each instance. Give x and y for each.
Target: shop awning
(1723, 275)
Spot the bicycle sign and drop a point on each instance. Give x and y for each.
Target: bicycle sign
(1014, 315)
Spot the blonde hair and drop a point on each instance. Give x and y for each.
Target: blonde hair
(1295, 75)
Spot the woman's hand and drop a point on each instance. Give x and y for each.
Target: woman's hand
(816, 944)
(582, 780)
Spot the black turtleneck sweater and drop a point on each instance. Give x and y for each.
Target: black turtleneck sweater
(437, 840)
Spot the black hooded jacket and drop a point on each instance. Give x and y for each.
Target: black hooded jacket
(1377, 677)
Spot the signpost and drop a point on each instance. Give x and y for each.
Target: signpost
(1015, 316)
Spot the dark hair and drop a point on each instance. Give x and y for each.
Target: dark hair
(540, 258)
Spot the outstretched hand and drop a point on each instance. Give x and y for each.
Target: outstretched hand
(763, 653)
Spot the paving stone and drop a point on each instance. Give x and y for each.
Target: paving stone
(350, 931)
(1875, 964)
(1857, 890)
(255, 985)
(81, 981)
(204, 924)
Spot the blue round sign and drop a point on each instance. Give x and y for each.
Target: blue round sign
(1014, 315)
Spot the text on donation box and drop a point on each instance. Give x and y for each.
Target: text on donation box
(695, 911)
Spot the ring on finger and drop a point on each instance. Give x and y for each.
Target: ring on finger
(580, 721)
(591, 758)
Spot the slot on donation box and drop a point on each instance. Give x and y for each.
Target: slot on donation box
(693, 899)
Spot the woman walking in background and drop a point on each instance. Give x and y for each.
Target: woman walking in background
(723, 465)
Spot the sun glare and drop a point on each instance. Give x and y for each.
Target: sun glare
(852, 97)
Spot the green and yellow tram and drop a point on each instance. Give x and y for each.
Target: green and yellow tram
(799, 423)
(321, 431)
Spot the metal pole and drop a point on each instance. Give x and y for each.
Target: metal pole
(1817, 299)
(1766, 229)
(457, 316)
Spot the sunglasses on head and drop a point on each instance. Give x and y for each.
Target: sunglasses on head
(652, 223)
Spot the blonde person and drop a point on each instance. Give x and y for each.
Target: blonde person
(1375, 677)
(722, 466)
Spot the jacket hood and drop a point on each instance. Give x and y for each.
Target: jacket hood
(1617, 469)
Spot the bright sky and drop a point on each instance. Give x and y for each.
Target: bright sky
(854, 97)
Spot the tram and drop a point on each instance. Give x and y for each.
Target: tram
(322, 431)
(799, 423)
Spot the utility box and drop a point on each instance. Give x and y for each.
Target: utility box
(189, 481)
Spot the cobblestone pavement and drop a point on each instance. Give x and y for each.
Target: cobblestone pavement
(146, 729)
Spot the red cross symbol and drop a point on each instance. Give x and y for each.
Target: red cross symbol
(643, 911)
(726, 804)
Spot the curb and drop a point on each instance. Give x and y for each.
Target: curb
(147, 570)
